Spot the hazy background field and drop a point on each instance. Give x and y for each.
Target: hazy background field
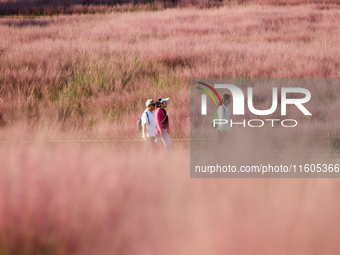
(87, 77)
(57, 7)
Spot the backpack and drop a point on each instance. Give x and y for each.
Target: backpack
(166, 116)
(139, 123)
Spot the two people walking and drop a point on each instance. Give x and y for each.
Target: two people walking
(156, 125)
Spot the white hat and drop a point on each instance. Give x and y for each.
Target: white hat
(163, 100)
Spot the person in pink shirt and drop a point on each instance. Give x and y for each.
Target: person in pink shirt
(163, 124)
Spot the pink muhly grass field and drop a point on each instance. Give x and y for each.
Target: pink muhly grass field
(88, 76)
(66, 7)
(66, 199)
(91, 74)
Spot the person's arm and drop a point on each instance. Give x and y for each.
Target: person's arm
(144, 122)
(159, 116)
(228, 114)
(144, 131)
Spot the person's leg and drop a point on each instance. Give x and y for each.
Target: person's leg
(158, 139)
(153, 144)
(166, 141)
(146, 146)
(219, 141)
(150, 146)
(223, 139)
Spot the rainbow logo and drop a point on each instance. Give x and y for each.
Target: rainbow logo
(208, 92)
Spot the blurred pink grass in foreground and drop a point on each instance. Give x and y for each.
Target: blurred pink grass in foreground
(70, 200)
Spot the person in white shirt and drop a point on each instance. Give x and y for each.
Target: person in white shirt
(223, 113)
(149, 126)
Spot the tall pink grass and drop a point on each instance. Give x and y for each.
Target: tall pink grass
(62, 7)
(93, 73)
(63, 199)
